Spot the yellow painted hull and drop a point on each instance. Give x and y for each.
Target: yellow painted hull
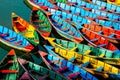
(116, 2)
(25, 29)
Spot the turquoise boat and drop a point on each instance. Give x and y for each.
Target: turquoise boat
(96, 4)
(114, 25)
(92, 13)
(37, 72)
(107, 6)
(65, 67)
(10, 39)
(85, 11)
(91, 65)
(9, 67)
(99, 53)
(63, 28)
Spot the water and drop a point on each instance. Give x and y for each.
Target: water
(17, 6)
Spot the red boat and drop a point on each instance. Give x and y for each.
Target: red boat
(108, 33)
(98, 41)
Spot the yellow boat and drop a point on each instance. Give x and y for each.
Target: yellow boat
(102, 54)
(25, 29)
(116, 2)
(94, 66)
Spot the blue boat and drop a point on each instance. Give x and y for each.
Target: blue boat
(65, 29)
(10, 39)
(65, 68)
(93, 13)
(97, 4)
(93, 66)
(84, 20)
(107, 6)
(61, 12)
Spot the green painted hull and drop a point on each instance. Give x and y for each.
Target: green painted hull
(38, 71)
(102, 54)
(44, 28)
(9, 63)
(41, 22)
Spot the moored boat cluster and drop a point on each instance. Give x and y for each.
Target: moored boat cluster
(65, 40)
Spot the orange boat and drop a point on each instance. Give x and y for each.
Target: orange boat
(108, 33)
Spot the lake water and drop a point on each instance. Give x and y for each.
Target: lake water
(8, 6)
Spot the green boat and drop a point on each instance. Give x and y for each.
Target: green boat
(38, 72)
(9, 67)
(102, 54)
(91, 65)
(41, 22)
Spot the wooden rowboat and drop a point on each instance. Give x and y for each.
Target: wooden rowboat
(32, 4)
(45, 6)
(108, 33)
(96, 4)
(37, 72)
(102, 54)
(10, 39)
(84, 11)
(84, 18)
(91, 65)
(92, 13)
(41, 22)
(25, 29)
(115, 2)
(98, 41)
(65, 68)
(9, 68)
(64, 29)
(107, 6)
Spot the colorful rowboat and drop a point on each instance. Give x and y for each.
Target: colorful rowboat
(10, 39)
(84, 11)
(37, 72)
(65, 68)
(96, 40)
(106, 6)
(84, 19)
(46, 4)
(64, 29)
(9, 68)
(102, 54)
(92, 13)
(25, 29)
(96, 4)
(91, 65)
(115, 2)
(108, 33)
(41, 22)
